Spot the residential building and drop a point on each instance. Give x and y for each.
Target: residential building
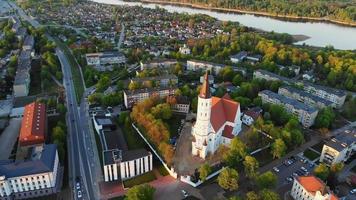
(105, 58)
(33, 125)
(305, 114)
(179, 104)
(132, 97)
(123, 165)
(340, 148)
(161, 63)
(250, 116)
(269, 76)
(161, 81)
(304, 97)
(22, 80)
(239, 57)
(185, 50)
(211, 79)
(218, 122)
(195, 65)
(311, 188)
(28, 43)
(334, 95)
(36, 176)
(254, 58)
(294, 68)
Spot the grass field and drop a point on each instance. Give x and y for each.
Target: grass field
(311, 155)
(78, 83)
(144, 178)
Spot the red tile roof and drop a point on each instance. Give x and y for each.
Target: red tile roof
(222, 110)
(33, 124)
(227, 132)
(312, 184)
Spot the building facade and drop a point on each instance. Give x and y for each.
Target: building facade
(195, 65)
(184, 50)
(161, 81)
(179, 104)
(105, 58)
(340, 148)
(132, 97)
(162, 63)
(31, 178)
(305, 114)
(311, 188)
(218, 122)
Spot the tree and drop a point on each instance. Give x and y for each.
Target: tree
(140, 192)
(267, 180)
(251, 165)
(325, 118)
(58, 133)
(322, 171)
(103, 83)
(278, 114)
(237, 80)
(236, 152)
(252, 196)
(228, 179)
(134, 85)
(61, 108)
(278, 148)
(268, 195)
(204, 171)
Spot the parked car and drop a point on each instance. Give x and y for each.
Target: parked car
(79, 194)
(289, 179)
(303, 168)
(185, 194)
(353, 191)
(276, 169)
(295, 174)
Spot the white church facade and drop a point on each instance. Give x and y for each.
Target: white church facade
(218, 122)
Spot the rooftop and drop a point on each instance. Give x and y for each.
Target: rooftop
(308, 95)
(111, 156)
(343, 140)
(147, 90)
(313, 184)
(134, 154)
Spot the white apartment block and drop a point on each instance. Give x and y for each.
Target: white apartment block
(162, 63)
(30, 178)
(311, 188)
(340, 148)
(305, 114)
(105, 58)
(134, 96)
(195, 65)
(123, 165)
(184, 50)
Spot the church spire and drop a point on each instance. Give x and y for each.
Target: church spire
(205, 90)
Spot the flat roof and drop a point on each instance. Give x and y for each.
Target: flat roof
(343, 139)
(144, 90)
(306, 94)
(134, 154)
(111, 156)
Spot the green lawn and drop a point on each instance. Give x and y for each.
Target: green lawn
(78, 83)
(144, 178)
(311, 155)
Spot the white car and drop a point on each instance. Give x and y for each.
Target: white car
(276, 169)
(353, 191)
(77, 185)
(79, 194)
(185, 194)
(303, 168)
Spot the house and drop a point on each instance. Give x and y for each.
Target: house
(179, 104)
(311, 188)
(33, 126)
(132, 97)
(340, 148)
(308, 77)
(195, 65)
(238, 57)
(105, 58)
(160, 63)
(249, 117)
(218, 122)
(185, 50)
(36, 176)
(305, 114)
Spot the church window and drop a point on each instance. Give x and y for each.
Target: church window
(205, 114)
(206, 104)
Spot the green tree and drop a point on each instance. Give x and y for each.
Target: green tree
(325, 118)
(140, 192)
(236, 152)
(279, 115)
(268, 195)
(278, 148)
(134, 85)
(103, 83)
(251, 165)
(322, 171)
(204, 171)
(267, 180)
(61, 108)
(252, 196)
(237, 80)
(228, 179)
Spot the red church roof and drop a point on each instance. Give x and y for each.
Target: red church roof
(312, 184)
(33, 124)
(227, 132)
(222, 110)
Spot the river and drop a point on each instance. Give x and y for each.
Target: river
(320, 34)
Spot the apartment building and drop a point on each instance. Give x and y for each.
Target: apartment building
(179, 104)
(269, 76)
(123, 165)
(161, 63)
(185, 50)
(340, 148)
(105, 58)
(36, 176)
(22, 80)
(161, 81)
(311, 188)
(195, 65)
(305, 114)
(134, 96)
(28, 43)
(239, 57)
(302, 96)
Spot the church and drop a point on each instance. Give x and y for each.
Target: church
(218, 121)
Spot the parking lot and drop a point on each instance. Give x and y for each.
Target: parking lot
(292, 167)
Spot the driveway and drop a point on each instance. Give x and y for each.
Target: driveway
(8, 137)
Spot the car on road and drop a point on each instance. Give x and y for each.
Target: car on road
(185, 194)
(304, 169)
(353, 191)
(77, 186)
(289, 179)
(295, 174)
(79, 194)
(275, 169)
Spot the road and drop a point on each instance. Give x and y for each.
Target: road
(82, 160)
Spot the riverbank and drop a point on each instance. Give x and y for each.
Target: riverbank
(257, 13)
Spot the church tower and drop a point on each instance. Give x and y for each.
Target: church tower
(201, 127)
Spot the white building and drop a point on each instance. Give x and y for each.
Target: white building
(195, 65)
(184, 50)
(340, 148)
(218, 121)
(134, 96)
(238, 57)
(311, 188)
(161, 63)
(105, 58)
(37, 176)
(123, 165)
